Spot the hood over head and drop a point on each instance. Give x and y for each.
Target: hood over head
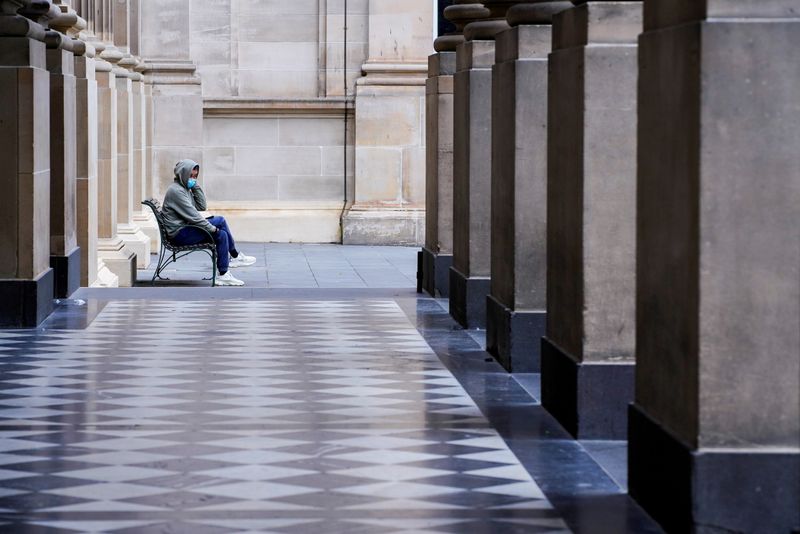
(183, 171)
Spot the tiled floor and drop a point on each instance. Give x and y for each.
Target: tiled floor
(303, 266)
(286, 410)
(231, 416)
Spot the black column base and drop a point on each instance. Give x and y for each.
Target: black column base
(67, 271)
(514, 337)
(26, 303)
(589, 399)
(715, 491)
(436, 273)
(468, 299)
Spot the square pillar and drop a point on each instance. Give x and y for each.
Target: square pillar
(65, 255)
(143, 218)
(588, 350)
(93, 269)
(516, 307)
(437, 254)
(716, 419)
(119, 259)
(472, 120)
(26, 279)
(127, 193)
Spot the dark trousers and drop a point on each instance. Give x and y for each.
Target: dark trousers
(226, 246)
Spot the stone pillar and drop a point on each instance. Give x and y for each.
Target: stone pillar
(65, 255)
(111, 249)
(177, 100)
(26, 279)
(93, 269)
(516, 308)
(142, 216)
(150, 179)
(436, 257)
(716, 419)
(389, 139)
(127, 193)
(85, 140)
(588, 351)
(472, 147)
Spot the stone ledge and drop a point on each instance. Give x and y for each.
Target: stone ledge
(390, 226)
(238, 107)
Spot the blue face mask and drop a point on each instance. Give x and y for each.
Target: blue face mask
(191, 183)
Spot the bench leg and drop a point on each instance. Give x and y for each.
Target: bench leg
(162, 263)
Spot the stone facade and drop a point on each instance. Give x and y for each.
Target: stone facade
(664, 175)
(308, 121)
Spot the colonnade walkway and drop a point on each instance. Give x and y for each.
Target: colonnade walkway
(295, 410)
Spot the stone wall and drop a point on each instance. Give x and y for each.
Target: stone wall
(278, 84)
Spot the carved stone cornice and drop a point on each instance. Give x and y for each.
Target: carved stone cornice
(460, 14)
(67, 22)
(535, 11)
(20, 18)
(170, 72)
(492, 25)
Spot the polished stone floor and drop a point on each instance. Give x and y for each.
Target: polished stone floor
(285, 410)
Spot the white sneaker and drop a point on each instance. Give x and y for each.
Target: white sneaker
(243, 260)
(228, 279)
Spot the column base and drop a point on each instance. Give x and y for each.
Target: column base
(383, 227)
(105, 278)
(710, 491)
(149, 227)
(137, 242)
(26, 303)
(436, 273)
(468, 299)
(514, 337)
(119, 260)
(67, 273)
(589, 399)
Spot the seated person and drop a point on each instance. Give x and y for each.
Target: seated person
(182, 204)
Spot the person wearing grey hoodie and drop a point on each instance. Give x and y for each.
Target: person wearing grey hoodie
(184, 224)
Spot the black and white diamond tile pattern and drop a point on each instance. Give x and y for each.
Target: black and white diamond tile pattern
(249, 416)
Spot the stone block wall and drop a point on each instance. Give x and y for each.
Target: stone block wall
(280, 78)
(281, 176)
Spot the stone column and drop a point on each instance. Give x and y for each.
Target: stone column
(437, 254)
(472, 147)
(142, 218)
(93, 269)
(119, 259)
(65, 255)
(128, 105)
(85, 140)
(177, 100)
(150, 179)
(588, 351)
(128, 198)
(716, 419)
(389, 139)
(516, 308)
(26, 279)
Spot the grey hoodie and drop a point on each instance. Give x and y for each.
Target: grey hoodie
(182, 205)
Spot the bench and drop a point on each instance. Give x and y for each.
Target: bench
(170, 253)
